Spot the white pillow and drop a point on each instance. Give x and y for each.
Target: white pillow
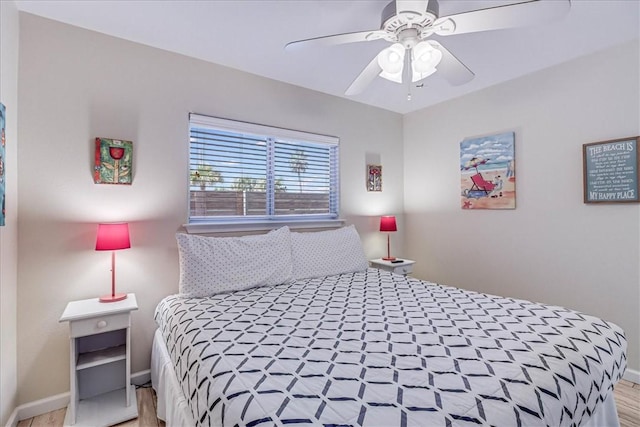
(212, 265)
(325, 253)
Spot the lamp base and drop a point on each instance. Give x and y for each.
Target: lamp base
(389, 258)
(113, 298)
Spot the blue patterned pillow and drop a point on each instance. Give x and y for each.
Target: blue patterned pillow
(213, 265)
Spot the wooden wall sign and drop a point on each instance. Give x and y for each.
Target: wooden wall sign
(610, 171)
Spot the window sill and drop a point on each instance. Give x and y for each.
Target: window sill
(239, 226)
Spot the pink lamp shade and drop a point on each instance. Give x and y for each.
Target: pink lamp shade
(388, 224)
(112, 237)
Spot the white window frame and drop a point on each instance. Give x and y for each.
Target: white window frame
(242, 224)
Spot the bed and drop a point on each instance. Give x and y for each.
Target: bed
(356, 346)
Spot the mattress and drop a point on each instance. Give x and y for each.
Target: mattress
(377, 349)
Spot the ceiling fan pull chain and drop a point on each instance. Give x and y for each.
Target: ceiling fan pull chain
(407, 72)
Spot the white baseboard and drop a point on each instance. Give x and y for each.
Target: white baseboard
(38, 407)
(141, 378)
(13, 419)
(632, 375)
(48, 404)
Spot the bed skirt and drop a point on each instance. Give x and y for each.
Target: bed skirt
(173, 407)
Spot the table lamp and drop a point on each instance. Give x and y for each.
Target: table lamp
(112, 237)
(388, 225)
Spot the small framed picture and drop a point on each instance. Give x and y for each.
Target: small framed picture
(374, 177)
(488, 172)
(610, 171)
(113, 161)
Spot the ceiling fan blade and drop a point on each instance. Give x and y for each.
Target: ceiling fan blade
(514, 15)
(363, 80)
(416, 6)
(360, 36)
(450, 67)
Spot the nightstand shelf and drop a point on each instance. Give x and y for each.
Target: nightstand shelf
(405, 267)
(100, 362)
(101, 357)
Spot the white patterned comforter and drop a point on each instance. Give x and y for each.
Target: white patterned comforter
(377, 349)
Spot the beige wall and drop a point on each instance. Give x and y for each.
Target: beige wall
(552, 248)
(9, 233)
(76, 85)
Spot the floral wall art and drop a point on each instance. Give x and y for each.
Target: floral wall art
(374, 178)
(487, 169)
(113, 161)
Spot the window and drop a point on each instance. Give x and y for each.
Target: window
(243, 172)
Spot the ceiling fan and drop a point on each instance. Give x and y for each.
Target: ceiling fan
(408, 24)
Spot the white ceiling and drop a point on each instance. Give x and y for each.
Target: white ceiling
(249, 35)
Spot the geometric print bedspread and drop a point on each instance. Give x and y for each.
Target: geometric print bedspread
(377, 349)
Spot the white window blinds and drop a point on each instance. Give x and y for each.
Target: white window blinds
(244, 171)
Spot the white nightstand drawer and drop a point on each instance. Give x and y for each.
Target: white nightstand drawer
(404, 266)
(97, 325)
(403, 269)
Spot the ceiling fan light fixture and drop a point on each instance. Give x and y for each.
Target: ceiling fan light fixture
(394, 77)
(407, 23)
(417, 76)
(425, 59)
(391, 61)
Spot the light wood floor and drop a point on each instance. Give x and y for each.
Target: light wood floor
(627, 400)
(147, 405)
(628, 403)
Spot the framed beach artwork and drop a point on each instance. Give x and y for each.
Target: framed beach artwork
(3, 122)
(113, 161)
(488, 174)
(374, 177)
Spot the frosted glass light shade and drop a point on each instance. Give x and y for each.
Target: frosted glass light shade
(391, 60)
(425, 59)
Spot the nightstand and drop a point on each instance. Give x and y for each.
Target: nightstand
(100, 362)
(405, 267)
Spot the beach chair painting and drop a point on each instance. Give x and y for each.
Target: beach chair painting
(480, 185)
(487, 168)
